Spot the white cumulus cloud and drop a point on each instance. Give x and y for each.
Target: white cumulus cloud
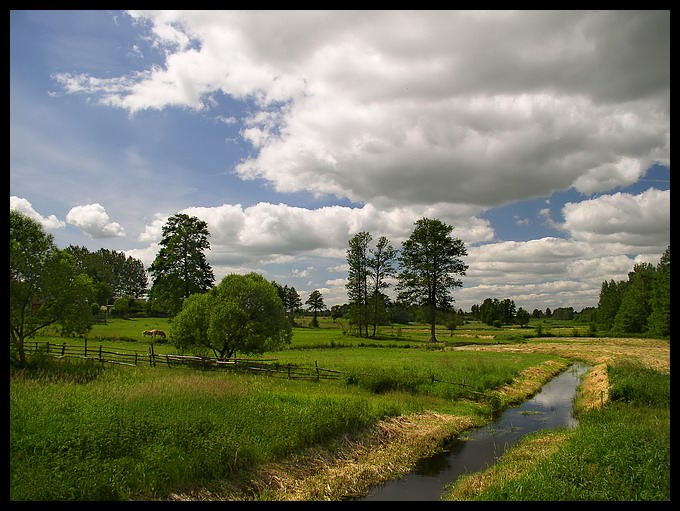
(94, 221)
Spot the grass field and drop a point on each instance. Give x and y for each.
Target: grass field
(80, 431)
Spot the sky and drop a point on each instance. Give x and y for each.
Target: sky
(542, 137)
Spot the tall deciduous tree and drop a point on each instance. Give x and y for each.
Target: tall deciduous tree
(430, 261)
(45, 286)
(114, 274)
(180, 268)
(357, 280)
(381, 267)
(243, 313)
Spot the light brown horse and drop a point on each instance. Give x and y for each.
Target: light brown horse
(154, 333)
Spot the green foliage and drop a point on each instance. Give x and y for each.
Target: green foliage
(113, 273)
(45, 286)
(369, 269)
(639, 305)
(316, 305)
(180, 268)
(243, 313)
(522, 317)
(659, 321)
(635, 308)
(430, 260)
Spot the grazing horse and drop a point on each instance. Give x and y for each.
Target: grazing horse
(159, 333)
(148, 332)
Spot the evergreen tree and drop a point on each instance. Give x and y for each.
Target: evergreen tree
(635, 300)
(180, 268)
(316, 305)
(608, 306)
(659, 321)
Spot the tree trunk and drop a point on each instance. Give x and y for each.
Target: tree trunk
(433, 321)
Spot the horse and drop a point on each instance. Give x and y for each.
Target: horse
(159, 333)
(148, 332)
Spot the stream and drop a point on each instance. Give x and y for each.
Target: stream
(480, 448)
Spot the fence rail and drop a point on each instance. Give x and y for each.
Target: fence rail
(134, 358)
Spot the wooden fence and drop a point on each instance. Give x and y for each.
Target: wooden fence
(134, 358)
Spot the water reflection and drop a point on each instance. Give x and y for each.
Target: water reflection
(550, 408)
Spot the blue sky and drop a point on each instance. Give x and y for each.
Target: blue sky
(543, 137)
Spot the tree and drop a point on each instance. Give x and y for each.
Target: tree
(315, 304)
(243, 313)
(430, 261)
(635, 307)
(659, 321)
(522, 317)
(381, 267)
(507, 310)
(291, 302)
(489, 311)
(114, 274)
(608, 304)
(357, 280)
(99, 271)
(130, 277)
(180, 268)
(45, 286)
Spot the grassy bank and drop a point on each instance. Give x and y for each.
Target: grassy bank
(620, 452)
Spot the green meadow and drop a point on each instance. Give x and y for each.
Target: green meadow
(80, 430)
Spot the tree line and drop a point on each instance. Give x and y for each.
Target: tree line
(66, 287)
(641, 304)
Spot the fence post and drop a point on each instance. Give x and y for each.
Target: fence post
(48, 347)
(85, 353)
(63, 349)
(100, 352)
(316, 363)
(289, 370)
(135, 359)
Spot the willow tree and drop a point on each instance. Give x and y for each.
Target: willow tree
(430, 261)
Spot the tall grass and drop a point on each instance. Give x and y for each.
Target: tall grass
(141, 432)
(448, 375)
